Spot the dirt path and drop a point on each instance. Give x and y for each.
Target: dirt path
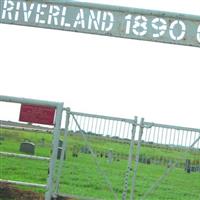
(9, 192)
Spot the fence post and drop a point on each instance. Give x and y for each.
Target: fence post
(137, 158)
(56, 136)
(129, 159)
(64, 147)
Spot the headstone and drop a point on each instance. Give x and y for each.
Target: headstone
(85, 150)
(98, 154)
(60, 143)
(106, 155)
(148, 161)
(75, 152)
(2, 138)
(27, 147)
(187, 166)
(110, 156)
(101, 154)
(117, 157)
(169, 164)
(59, 153)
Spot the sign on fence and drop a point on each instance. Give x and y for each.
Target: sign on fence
(106, 20)
(37, 114)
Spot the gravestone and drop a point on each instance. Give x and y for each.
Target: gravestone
(2, 138)
(27, 147)
(60, 143)
(106, 155)
(101, 154)
(118, 157)
(148, 161)
(85, 150)
(187, 166)
(110, 156)
(75, 151)
(59, 153)
(97, 154)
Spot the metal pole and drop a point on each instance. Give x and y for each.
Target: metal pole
(137, 159)
(124, 195)
(21, 100)
(64, 147)
(23, 183)
(23, 156)
(56, 136)
(192, 145)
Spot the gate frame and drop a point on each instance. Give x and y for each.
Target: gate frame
(56, 135)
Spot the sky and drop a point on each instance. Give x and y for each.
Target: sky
(103, 75)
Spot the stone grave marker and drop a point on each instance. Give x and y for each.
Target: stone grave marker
(27, 147)
(110, 156)
(118, 157)
(2, 138)
(59, 153)
(60, 143)
(187, 166)
(75, 151)
(85, 150)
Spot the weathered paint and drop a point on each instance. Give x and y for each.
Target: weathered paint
(106, 20)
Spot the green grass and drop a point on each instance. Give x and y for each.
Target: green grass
(82, 177)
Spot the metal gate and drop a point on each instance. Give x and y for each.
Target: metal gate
(167, 151)
(92, 128)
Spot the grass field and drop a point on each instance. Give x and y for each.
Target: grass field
(82, 177)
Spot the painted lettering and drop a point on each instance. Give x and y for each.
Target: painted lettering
(63, 22)
(27, 12)
(80, 19)
(109, 18)
(7, 8)
(94, 20)
(54, 12)
(40, 13)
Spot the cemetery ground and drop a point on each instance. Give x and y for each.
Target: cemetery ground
(82, 177)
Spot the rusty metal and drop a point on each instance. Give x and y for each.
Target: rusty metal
(115, 21)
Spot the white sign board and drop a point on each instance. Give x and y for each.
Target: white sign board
(106, 20)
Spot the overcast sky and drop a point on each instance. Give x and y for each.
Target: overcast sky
(104, 75)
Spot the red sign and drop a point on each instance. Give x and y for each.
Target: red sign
(37, 114)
